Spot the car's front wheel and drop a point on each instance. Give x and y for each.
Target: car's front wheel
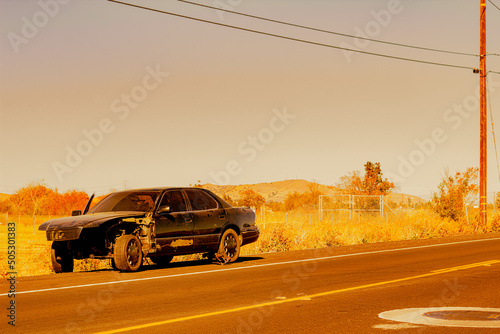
(229, 246)
(61, 257)
(128, 253)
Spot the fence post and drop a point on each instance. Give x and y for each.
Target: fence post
(350, 207)
(382, 206)
(320, 213)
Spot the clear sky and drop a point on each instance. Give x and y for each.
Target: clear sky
(94, 93)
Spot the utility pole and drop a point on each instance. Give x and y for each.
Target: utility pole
(483, 200)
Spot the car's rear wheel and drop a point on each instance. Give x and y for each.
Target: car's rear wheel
(229, 246)
(162, 260)
(128, 253)
(61, 257)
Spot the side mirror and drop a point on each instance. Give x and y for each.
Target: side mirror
(76, 212)
(165, 209)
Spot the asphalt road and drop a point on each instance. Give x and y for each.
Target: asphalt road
(334, 290)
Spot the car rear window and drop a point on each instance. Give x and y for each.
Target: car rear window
(200, 200)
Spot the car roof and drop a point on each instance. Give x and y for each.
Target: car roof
(160, 189)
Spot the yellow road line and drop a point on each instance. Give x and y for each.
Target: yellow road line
(283, 301)
(467, 266)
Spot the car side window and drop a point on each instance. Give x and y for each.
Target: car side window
(174, 200)
(200, 200)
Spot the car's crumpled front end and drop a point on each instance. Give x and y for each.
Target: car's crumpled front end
(70, 228)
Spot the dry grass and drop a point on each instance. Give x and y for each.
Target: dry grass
(279, 232)
(33, 249)
(302, 230)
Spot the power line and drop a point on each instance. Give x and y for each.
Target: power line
(292, 38)
(494, 4)
(493, 133)
(329, 31)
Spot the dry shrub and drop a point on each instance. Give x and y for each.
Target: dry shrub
(495, 223)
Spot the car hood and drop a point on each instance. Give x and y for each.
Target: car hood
(86, 221)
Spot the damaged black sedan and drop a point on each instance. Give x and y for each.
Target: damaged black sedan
(158, 223)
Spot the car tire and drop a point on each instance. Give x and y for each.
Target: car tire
(230, 245)
(128, 253)
(162, 261)
(61, 257)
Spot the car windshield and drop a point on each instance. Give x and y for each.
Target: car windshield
(141, 201)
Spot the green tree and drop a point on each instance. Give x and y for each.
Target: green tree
(5, 205)
(314, 190)
(63, 204)
(31, 199)
(456, 192)
(228, 199)
(293, 200)
(372, 183)
(275, 206)
(351, 183)
(37, 199)
(251, 198)
(310, 197)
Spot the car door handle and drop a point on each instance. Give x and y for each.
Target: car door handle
(188, 218)
(222, 216)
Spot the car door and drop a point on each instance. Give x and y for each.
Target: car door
(209, 217)
(174, 224)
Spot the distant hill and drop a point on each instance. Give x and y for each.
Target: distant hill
(272, 191)
(277, 191)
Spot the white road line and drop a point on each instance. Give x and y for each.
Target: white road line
(247, 267)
